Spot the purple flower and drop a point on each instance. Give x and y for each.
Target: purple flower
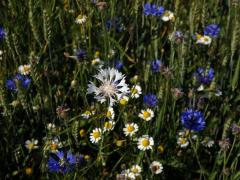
(152, 9)
(118, 65)
(20, 80)
(156, 65)
(10, 84)
(150, 99)
(212, 30)
(81, 53)
(2, 33)
(203, 76)
(193, 120)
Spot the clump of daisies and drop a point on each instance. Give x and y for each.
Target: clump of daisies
(111, 86)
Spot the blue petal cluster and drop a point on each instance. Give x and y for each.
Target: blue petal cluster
(203, 76)
(193, 120)
(152, 9)
(23, 81)
(2, 33)
(156, 65)
(150, 99)
(114, 24)
(62, 164)
(118, 65)
(212, 30)
(81, 53)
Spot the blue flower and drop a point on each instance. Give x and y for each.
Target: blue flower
(2, 33)
(212, 30)
(156, 65)
(115, 24)
(81, 53)
(26, 82)
(150, 99)
(193, 120)
(10, 84)
(152, 9)
(203, 76)
(118, 65)
(61, 164)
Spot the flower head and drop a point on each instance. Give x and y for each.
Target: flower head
(124, 100)
(205, 40)
(150, 99)
(118, 65)
(152, 9)
(207, 142)
(114, 24)
(136, 169)
(146, 115)
(31, 144)
(81, 19)
(193, 120)
(156, 65)
(235, 130)
(136, 91)
(212, 30)
(108, 126)
(130, 129)
(182, 142)
(2, 33)
(81, 54)
(156, 167)
(10, 84)
(145, 143)
(96, 135)
(24, 69)
(224, 144)
(55, 144)
(110, 113)
(168, 16)
(204, 76)
(112, 86)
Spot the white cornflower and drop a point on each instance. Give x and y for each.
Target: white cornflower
(124, 100)
(136, 91)
(182, 142)
(130, 129)
(168, 16)
(207, 142)
(112, 86)
(145, 143)
(24, 69)
(156, 167)
(108, 126)
(55, 144)
(206, 40)
(96, 135)
(30, 145)
(136, 169)
(110, 113)
(146, 115)
(81, 19)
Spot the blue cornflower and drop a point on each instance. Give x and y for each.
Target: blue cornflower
(212, 30)
(193, 120)
(150, 99)
(115, 24)
(118, 65)
(203, 76)
(152, 9)
(2, 33)
(156, 65)
(61, 164)
(18, 80)
(81, 53)
(10, 84)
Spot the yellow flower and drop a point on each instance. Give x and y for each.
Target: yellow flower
(29, 171)
(160, 149)
(82, 132)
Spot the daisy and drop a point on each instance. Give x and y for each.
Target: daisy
(55, 145)
(205, 40)
(136, 169)
(207, 142)
(97, 62)
(24, 69)
(30, 145)
(112, 86)
(108, 126)
(168, 16)
(95, 136)
(146, 115)
(182, 142)
(81, 19)
(145, 143)
(87, 114)
(136, 91)
(124, 100)
(156, 167)
(110, 113)
(130, 129)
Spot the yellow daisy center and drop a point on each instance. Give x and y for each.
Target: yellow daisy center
(26, 68)
(30, 146)
(109, 114)
(130, 128)
(206, 39)
(146, 114)
(134, 91)
(166, 14)
(183, 141)
(145, 142)
(198, 36)
(135, 170)
(108, 125)
(96, 134)
(54, 147)
(123, 101)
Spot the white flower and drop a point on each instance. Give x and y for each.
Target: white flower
(145, 143)
(51, 126)
(81, 19)
(136, 169)
(108, 126)
(127, 174)
(182, 142)
(30, 145)
(124, 100)
(130, 129)
(55, 145)
(110, 113)
(146, 115)
(24, 69)
(136, 91)
(156, 167)
(112, 86)
(1, 52)
(96, 135)
(87, 114)
(97, 62)
(200, 88)
(168, 16)
(206, 40)
(207, 142)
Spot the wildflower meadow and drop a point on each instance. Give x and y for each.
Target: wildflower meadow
(127, 89)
